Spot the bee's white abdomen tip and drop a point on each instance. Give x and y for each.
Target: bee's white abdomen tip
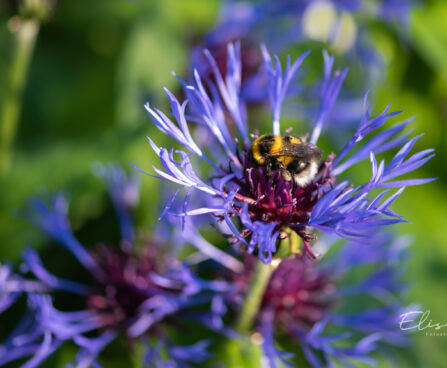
(305, 177)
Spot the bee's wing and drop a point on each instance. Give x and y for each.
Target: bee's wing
(298, 150)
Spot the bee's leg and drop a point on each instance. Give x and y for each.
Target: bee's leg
(270, 168)
(273, 166)
(286, 174)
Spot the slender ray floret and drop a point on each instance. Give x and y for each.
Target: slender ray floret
(257, 201)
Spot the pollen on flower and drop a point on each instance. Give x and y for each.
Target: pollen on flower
(256, 338)
(276, 262)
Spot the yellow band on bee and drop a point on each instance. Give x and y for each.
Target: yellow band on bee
(286, 160)
(295, 140)
(256, 152)
(277, 145)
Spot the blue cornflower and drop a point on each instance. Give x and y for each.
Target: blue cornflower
(13, 285)
(395, 11)
(259, 208)
(309, 302)
(131, 289)
(339, 25)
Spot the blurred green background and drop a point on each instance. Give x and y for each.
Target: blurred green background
(96, 62)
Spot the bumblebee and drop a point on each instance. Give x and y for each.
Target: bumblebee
(292, 156)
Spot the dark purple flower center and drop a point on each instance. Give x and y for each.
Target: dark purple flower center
(298, 292)
(272, 199)
(127, 282)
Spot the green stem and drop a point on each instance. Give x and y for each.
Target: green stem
(25, 38)
(258, 284)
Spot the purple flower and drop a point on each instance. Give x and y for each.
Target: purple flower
(306, 301)
(129, 291)
(259, 206)
(338, 24)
